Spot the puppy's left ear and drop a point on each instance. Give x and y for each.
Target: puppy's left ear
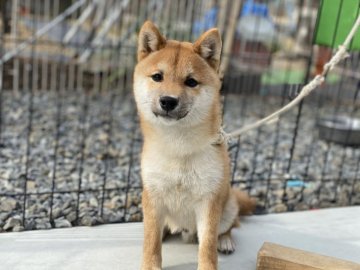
(208, 46)
(150, 40)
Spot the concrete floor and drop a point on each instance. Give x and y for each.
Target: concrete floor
(332, 232)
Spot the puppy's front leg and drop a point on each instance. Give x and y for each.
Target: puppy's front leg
(153, 227)
(208, 216)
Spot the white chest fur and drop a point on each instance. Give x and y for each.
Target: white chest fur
(179, 183)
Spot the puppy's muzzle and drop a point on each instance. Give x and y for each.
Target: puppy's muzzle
(168, 103)
(170, 108)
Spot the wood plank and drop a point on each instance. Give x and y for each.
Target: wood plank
(275, 257)
(229, 36)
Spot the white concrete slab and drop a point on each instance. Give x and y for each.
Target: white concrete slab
(332, 232)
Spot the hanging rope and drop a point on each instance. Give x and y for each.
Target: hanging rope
(306, 90)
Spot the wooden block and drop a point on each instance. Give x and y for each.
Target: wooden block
(275, 257)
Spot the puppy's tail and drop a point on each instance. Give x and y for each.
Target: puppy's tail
(246, 203)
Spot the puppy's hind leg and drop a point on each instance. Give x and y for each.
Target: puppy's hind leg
(229, 220)
(226, 244)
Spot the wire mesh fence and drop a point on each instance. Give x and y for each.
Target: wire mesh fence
(69, 136)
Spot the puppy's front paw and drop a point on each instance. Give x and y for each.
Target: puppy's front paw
(151, 264)
(225, 244)
(150, 268)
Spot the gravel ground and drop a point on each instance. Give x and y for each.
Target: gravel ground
(93, 145)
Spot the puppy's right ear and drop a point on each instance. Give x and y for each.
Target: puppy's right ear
(150, 40)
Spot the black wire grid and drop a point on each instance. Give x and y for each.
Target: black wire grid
(82, 103)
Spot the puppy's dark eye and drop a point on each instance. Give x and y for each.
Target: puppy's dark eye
(157, 77)
(191, 82)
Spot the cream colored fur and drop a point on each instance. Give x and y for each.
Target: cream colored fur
(185, 177)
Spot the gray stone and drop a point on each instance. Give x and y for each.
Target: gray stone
(18, 228)
(62, 223)
(4, 216)
(12, 222)
(43, 225)
(279, 208)
(30, 225)
(71, 217)
(56, 213)
(66, 205)
(115, 202)
(135, 218)
(8, 204)
(301, 207)
(93, 202)
(133, 210)
(66, 211)
(86, 221)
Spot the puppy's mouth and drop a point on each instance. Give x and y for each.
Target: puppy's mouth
(171, 115)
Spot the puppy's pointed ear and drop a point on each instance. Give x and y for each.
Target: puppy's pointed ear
(150, 40)
(208, 46)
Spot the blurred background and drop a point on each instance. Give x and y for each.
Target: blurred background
(69, 135)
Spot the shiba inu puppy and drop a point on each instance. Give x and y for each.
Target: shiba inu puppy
(185, 174)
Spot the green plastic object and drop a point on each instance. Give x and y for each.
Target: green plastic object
(335, 20)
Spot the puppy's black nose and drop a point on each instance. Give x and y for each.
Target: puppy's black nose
(168, 103)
